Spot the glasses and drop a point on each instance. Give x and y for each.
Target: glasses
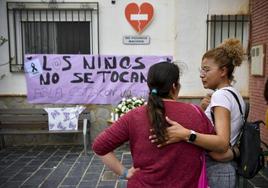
(204, 71)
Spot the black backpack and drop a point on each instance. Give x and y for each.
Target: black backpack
(251, 158)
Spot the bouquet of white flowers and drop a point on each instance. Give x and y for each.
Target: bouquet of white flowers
(126, 105)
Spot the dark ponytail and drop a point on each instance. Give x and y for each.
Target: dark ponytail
(157, 118)
(161, 77)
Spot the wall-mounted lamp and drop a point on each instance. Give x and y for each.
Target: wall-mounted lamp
(113, 2)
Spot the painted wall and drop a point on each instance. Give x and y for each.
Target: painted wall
(259, 36)
(190, 40)
(178, 28)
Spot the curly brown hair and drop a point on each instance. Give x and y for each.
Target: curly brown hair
(229, 54)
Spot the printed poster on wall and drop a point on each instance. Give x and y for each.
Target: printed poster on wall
(87, 79)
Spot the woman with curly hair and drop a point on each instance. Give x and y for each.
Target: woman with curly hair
(216, 73)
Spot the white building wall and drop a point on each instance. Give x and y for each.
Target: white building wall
(190, 40)
(178, 28)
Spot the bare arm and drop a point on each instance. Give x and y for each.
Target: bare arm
(218, 142)
(223, 157)
(116, 166)
(230, 154)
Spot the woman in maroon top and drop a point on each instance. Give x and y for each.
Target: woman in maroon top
(174, 166)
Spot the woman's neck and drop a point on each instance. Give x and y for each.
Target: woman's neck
(224, 84)
(165, 99)
(171, 98)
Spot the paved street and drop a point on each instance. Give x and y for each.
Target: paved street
(62, 166)
(67, 167)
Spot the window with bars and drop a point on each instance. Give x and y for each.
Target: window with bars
(51, 28)
(221, 27)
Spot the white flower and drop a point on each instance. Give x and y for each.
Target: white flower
(124, 108)
(128, 104)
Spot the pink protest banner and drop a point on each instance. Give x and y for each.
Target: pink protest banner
(87, 79)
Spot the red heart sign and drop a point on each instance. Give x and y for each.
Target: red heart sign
(139, 16)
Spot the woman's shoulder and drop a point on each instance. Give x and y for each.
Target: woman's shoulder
(224, 97)
(138, 110)
(184, 106)
(221, 94)
(177, 103)
(200, 121)
(226, 92)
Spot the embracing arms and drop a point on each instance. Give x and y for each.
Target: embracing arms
(218, 144)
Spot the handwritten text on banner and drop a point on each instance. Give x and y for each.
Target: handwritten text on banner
(87, 79)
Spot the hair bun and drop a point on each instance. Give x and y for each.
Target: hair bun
(234, 50)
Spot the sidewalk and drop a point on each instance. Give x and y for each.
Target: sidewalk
(260, 180)
(67, 167)
(61, 166)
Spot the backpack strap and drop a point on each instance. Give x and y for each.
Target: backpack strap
(239, 105)
(237, 100)
(243, 117)
(212, 116)
(241, 112)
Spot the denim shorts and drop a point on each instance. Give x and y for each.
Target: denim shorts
(221, 175)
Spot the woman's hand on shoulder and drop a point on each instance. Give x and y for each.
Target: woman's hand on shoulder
(205, 102)
(175, 133)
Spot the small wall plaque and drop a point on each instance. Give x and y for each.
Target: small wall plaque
(136, 40)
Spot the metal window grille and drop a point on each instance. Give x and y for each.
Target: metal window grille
(51, 28)
(221, 27)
